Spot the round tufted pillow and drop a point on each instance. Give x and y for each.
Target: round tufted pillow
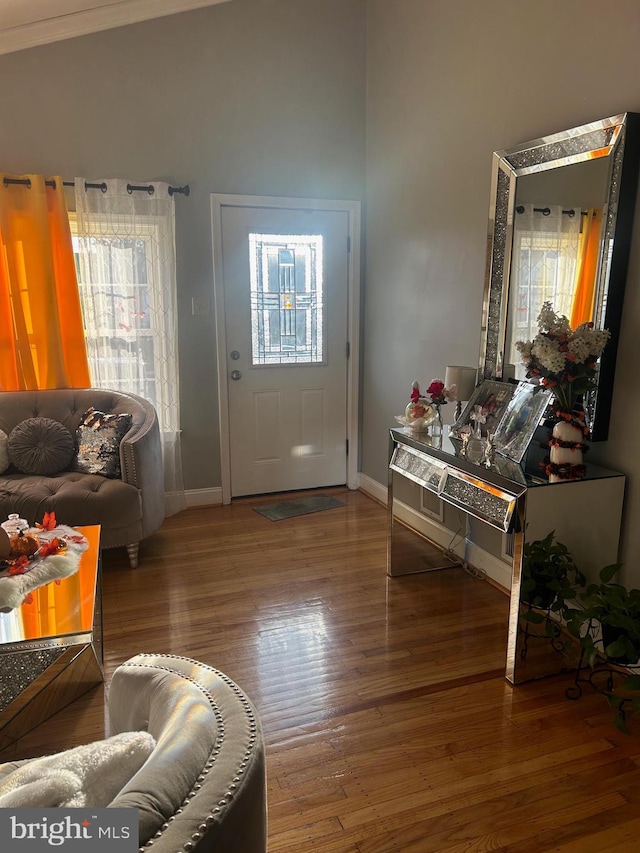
(40, 446)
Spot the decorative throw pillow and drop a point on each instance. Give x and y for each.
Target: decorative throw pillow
(98, 438)
(40, 446)
(4, 453)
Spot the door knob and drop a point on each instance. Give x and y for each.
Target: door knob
(235, 375)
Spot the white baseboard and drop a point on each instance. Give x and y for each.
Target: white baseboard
(465, 549)
(372, 488)
(496, 569)
(204, 497)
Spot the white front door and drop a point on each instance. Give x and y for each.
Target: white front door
(285, 276)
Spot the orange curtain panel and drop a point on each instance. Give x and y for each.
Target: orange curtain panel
(587, 269)
(42, 341)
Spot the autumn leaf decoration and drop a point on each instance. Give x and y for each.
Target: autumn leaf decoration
(49, 549)
(19, 566)
(48, 522)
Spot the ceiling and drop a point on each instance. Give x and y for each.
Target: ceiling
(27, 23)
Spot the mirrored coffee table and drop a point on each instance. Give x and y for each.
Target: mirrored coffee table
(51, 646)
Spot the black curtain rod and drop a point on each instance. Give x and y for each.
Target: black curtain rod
(546, 211)
(131, 188)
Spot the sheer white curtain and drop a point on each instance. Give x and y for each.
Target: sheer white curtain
(127, 278)
(543, 268)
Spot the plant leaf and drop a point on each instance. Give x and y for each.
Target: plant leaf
(621, 724)
(616, 649)
(608, 572)
(533, 617)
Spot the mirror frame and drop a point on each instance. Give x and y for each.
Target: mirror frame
(616, 138)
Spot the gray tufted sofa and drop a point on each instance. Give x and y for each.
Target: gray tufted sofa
(128, 509)
(203, 788)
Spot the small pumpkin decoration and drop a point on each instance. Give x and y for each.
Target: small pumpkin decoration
(23, 544)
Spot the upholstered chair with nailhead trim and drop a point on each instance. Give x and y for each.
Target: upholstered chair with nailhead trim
(203, 788)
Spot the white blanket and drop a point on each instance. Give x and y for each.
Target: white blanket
(90, 775)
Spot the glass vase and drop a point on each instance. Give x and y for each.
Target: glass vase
(436, 427)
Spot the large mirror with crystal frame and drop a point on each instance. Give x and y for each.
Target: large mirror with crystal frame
(576, 188)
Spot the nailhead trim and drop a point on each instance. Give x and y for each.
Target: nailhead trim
(210, 819)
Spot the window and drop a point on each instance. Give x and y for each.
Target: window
(114, 276)
(544, 265)
(124, 244)
(124, 247)
(545, 271)
(286, 299)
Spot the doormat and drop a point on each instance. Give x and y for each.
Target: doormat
(298, 506)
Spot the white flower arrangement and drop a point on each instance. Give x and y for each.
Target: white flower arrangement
(562, 359)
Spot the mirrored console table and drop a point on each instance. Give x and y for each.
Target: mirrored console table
(516, 500)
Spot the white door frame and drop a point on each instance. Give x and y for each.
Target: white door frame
(352, 209)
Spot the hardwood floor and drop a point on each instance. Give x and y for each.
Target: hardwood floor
(388, 722)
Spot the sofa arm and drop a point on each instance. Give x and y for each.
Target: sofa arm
(142, 467)
(205, 780)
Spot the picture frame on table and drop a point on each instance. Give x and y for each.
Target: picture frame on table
(492, 396)
(520, 419)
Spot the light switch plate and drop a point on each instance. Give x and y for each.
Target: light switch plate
(199, 306)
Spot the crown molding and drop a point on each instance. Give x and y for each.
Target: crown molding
(118, 13)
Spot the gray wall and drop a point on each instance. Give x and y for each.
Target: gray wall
(449, 83)
(254, 96)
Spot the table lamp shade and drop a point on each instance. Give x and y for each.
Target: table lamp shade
(464, 378)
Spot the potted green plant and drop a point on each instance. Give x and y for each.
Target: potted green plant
(617, 611)
(550, 578)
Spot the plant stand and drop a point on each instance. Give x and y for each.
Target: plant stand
(609, 680)
(552, 630)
